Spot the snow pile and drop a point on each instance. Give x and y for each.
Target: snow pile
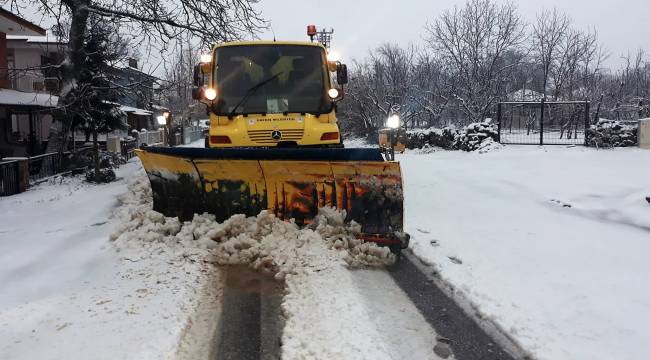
(351, 141)
(264, 242)
(314, 262)
(431, 138)
(612, 133)
(477, 136)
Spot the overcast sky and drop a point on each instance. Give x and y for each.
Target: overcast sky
(359, 25)
(363, 24)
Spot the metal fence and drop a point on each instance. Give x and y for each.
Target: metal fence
(128, 148)
(9, 177)
(46, 165)
(192, 134)
(150, 138)
(543, 122)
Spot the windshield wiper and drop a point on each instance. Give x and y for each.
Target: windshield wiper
(252, 91)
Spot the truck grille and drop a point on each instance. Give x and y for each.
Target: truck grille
(264, 136)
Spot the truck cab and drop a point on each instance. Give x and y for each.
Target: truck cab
(270, 94)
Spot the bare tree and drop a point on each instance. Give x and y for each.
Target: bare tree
(433, 89)
(474, 41)
(176, 89)
(592, 67)
(549, 30)
(153, 20)
(381, 86)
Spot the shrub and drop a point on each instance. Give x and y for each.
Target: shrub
(104, 176)
(442, 138)
(612, 133)
(473, 137)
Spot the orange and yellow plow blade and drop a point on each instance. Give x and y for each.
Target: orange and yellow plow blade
(291, 183)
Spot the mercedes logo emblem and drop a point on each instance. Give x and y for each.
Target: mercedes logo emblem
(276, 135)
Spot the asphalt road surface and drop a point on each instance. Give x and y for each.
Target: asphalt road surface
(251, 324)
(466, 338)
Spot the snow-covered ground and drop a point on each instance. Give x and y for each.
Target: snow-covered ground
(92, 272)
(551, 243)
(67, 292)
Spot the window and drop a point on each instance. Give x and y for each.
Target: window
(38, 86)
(19, 127)
(52, 85)
(293, 78)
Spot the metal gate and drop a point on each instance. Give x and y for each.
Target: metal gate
(9, 178)
(560, 122)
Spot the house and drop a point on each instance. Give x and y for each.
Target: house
(525, 95)
(136, 98)
(29, 87)
(25, 103)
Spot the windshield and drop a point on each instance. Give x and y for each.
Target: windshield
(297, 79)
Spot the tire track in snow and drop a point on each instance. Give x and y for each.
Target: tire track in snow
(467, 339)
(250, 324)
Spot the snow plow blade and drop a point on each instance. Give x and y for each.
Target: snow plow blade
(291, 183)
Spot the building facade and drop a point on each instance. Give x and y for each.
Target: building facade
(26, 103)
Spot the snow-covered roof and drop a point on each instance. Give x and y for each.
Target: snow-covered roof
(19, 98)
(135, 111)
(48, 39)
(125, 68)
(11, 23)
(525, 95)
(159, 107)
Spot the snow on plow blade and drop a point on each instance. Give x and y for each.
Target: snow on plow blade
(291, 183)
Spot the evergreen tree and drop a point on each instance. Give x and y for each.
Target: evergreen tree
(89, 107)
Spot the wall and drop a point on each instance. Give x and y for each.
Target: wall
(28, 55)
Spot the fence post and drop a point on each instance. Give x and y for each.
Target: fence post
(499, 122)
(541, 123)
(23, 174)
(587, 122)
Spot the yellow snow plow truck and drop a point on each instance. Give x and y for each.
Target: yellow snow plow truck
(274, 144)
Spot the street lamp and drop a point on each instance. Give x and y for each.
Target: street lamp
(393, 121)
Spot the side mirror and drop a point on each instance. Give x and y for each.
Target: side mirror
(342, 74)
(196, 93)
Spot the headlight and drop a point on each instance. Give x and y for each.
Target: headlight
(206, 58)
(333, 56)
(393, 121)
(210, 94)
(333, 93)
(161, 120)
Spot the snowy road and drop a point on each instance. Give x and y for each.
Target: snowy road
(465, 337)
(70, 292)
(251, 322)
(399, 308)
(544, 262)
